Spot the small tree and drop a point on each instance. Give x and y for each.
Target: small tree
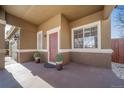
(119, 19)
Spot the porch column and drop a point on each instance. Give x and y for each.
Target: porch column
(2, 44)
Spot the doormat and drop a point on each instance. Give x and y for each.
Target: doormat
(48, 65)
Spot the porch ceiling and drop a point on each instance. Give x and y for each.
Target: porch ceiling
(38, 14)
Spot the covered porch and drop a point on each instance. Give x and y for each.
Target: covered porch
(88, 62)
(34, 35)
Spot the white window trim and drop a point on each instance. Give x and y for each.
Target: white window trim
(38, 33)
(98, 23)
(2, 22)
(30, 50)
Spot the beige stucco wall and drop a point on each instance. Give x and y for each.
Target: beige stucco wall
(108, 10)
(2, 61)
(2, 46)
(105, 27)
(47, 25)
(28, 36)
(28, 31)
(28, 39)
(2, 13)
(28, 57)
(66, 57)
(2, 39)
(65, 38)
(106, 34)
(88, 19)
(65, 34)
(25, 56)
(93, 59)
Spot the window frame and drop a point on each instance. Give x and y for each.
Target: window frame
(98, 24)
(40, 43)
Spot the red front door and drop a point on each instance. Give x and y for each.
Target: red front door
(53, 46)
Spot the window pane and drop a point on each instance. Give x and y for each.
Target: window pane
(78, 38)
(90, 37)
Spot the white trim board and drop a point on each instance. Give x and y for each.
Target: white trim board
(31, 50)
(2, 21)
(40, 43)
(26, 50)
(93, 50)
(43, 50)
(66, 50)
(87, 50)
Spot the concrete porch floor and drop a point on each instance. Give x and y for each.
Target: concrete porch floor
(32, 75)
(9, 60)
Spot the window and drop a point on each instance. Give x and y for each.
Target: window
(90, 37)
(78, 39)
(86, 36)
(39, 40)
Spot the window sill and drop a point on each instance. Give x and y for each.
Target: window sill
(96, 50)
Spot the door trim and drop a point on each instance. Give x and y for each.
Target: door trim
(51, 31)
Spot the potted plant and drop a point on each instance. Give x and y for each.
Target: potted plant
(37, 56)
(59, 61)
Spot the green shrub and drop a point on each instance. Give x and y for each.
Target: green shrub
(59, 58)
(37, 54)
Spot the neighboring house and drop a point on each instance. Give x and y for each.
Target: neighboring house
(13, 37)
(81, 34)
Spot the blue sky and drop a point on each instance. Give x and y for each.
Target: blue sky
(115, 33)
